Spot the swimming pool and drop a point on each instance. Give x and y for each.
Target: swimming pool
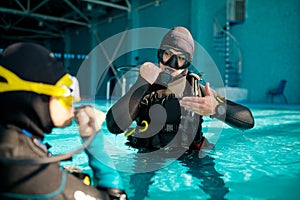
(261, 163)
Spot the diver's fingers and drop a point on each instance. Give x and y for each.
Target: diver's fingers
(96, 115)
(84, 128)
(207, 89)
(90, 120)
(149, 72)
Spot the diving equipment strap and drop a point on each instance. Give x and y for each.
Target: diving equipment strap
(15, 83)
(66, 89)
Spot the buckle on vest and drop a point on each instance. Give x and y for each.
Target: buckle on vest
(169, 128)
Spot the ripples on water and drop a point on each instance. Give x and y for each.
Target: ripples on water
(261, 163)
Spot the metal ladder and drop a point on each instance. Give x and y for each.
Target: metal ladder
(228, 47)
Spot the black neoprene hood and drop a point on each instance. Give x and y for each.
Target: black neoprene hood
(24, 109)
(32, 62)
(180, 39)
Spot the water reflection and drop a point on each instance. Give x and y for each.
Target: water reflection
(202, 169)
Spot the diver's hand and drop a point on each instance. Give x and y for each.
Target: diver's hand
(89, 120)
(204, 106)
(149, 72)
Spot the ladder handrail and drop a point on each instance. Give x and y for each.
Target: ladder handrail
(123, 84)
(240, 57)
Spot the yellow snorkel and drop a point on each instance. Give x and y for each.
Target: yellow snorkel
(66, 90)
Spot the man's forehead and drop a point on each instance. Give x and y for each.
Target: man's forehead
(175, 51)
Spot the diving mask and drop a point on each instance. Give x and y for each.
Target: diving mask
(173, 59)
(66, 89)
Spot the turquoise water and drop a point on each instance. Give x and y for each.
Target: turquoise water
(261, 163)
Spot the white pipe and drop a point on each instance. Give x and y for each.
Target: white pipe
(123, 86)
(107, 90)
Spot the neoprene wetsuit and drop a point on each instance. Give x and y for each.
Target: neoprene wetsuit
(28, 181)
(136, 106)
(25, 118)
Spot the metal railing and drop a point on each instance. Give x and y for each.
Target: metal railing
(125, 78)
(228, 47)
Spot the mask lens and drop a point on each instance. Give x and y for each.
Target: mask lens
(167, 53)
(72, 94)
(75, 89)
(182, 57)
(167, 56)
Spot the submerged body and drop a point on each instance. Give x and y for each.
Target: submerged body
(168, 102)
(136, 106)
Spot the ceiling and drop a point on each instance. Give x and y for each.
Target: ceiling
(38, 20)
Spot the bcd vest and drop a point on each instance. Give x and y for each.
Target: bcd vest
(182, 128)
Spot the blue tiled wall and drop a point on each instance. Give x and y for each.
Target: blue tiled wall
(269, 38)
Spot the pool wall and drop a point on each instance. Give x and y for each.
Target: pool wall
(268, 37)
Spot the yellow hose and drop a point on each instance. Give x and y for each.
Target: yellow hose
(144, 122)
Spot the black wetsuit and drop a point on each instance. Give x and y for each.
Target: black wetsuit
(25, 118)
(181, 128)
(36, 181)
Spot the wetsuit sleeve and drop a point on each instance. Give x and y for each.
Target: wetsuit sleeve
(236, 115)
(124, 111)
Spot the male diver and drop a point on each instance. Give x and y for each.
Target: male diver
(168, 102)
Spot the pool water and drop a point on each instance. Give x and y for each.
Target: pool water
(261, 163)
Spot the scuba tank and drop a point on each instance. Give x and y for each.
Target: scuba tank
(189, 120)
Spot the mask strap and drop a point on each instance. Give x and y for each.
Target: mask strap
(15, 83)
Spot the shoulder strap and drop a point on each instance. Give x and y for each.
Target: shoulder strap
(193, 88)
